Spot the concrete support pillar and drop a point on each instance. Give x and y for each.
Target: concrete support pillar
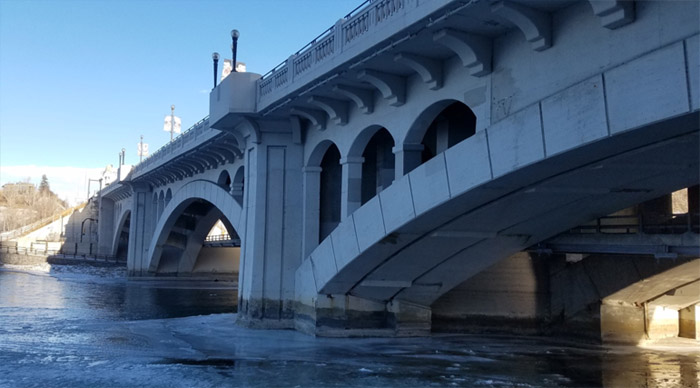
(442, 136)
(689, 322)
(694, 199)
(408, 319)
(662, 322)
(407, 157)
(272, 242)
(106, 227)
(349, 316)
(312, 184)
(140, 230)
(237, 191)
(351, 189)
(621, 322)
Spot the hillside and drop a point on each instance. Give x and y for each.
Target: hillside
(22, 203)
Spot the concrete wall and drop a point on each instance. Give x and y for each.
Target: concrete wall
(218, 260)
(21, 259)
(605, 298)
(515, 292)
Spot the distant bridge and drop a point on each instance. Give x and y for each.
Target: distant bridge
(416, 144)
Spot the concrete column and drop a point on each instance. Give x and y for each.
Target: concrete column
(106, 227)
(312, 183)
(351, 188)
(407, 157)
(272, 246)
(688, 322)
(662, 322)
(442, 136)
(140, 230)
(237, 191)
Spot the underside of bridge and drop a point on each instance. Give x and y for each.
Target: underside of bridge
(185, 247)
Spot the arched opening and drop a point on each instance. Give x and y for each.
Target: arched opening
(238, 185)
(438, 128)
(330, 189)
(455, 123)
(122, 241)
(200, 241)
(378, 165)
(224, 180)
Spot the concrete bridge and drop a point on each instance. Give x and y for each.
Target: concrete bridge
(417, 145)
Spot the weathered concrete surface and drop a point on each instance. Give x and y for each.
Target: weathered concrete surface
(22, 259)
(609, 298)
(689, 322)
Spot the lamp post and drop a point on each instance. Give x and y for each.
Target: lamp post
(215, 57)
(234, 47)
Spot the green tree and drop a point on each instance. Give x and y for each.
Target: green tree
(44, 188)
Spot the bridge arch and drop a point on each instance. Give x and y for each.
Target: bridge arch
(492, 194)
(224, 180)
(206, 203)
(370, 166)
(439, 127)
(120, 241)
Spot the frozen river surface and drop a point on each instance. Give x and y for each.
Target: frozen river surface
(70, 326)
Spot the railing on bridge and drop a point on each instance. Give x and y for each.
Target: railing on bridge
(222, 239)
(185, 138)
(641, 223)
(360, 22)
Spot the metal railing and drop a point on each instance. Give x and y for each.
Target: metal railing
(642, 223)
(221, 238)
(4, 236)
(58, 253)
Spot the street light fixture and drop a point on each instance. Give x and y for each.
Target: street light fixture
(234, 47)
(215, 57)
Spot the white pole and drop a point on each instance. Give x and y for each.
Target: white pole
(172, 121)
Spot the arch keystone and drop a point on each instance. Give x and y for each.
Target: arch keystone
(536, 25)
(337, 110)
(430, 70)
(473, 50)
(363, 98)
(392, 87)
(613, 13)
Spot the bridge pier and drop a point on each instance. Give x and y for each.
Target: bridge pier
(271, 248)
(350, 316)
(106, 228)
(140, 229)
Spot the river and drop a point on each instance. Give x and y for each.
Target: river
(80, 326)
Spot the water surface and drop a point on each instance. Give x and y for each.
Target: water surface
(76, 326)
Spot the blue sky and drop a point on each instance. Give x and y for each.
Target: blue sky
(79, 80)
